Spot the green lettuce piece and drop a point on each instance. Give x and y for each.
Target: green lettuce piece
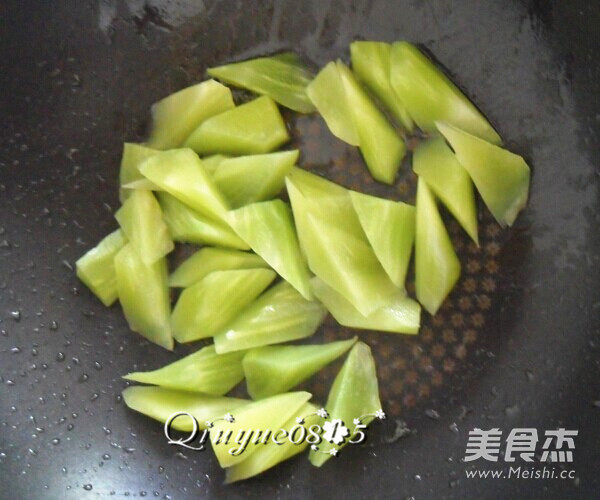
(400, 315)
(181, 174)
(429, 96)
(249, 179)
(390, 229)
(141, 219)
(337, 250)
(501, 177)
(352, 116)
(203, 371)
(207, 260)
(210, 305)
(279, 315)
(175, 117)
(130, 176)
(267, 414)
(371, 61)
(273, 370)
(436, 163)
(212, 162)
(268, 228)
(354, 394)
(144, 295)
(252, 128)
(282, 77)
(437, 267)
(97, 270)
(271, 454)
(189, 226)
(161, 403)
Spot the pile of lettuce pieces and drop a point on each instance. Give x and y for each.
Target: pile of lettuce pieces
(268, 271)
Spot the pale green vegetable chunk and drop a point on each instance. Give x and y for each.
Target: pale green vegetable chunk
(203, 371)
(429, 96)
(390, 229)
(436, 163)
(354, 394)
(352, 116)
(437, 267)
(501, 177)
(271, 454)
(130, 176)
(141, 219)
(212, 162)
(180, 172)
(178, 115)
(267, 414)
(279, 315)
(161, 404)
(371, 61)
(282, 77)
(207, 307)
(337, 249)
(249, 179)
(96, 268)
(272, 370)
(252, 128)
(268, 228)
(144, 295)
(400, 314)
(189, 226)
(207, 260)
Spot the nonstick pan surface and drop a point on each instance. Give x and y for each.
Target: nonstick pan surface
(516, 345)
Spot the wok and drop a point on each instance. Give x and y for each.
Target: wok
(516, 345)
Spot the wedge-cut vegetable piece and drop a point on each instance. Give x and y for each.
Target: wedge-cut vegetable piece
(429, 96)
(282, 77)
(212, 162)
(271, 454)
(248, 179)
(436, 163)
(279, 315)
(267, 414)
(272, 370)
(161, 403)
(390, 229)
(203, 371)
(188, 226)
(371, 61)
(178, 115)
(97, 270)
(211, 304)
(268, 228)
(130, 176)
(501, 177)
(400, 315)
(207, 260)
(141, 219)
(327, 93)
(339, 97)
(338, 252)
(180, 173)
(354, 394)
(437, 267)
(252, 128)
(144, 295)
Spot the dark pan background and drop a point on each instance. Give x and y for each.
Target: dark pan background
(77, 78)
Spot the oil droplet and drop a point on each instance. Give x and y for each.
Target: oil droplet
(84, 378)
(15, 350)
(106, 456)
(434, 415)
(16, 315)
(53, 325)
(55, 441)
(64, 470)
(87, 487)
(60, 357)
(453, 427)
(97, 365)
